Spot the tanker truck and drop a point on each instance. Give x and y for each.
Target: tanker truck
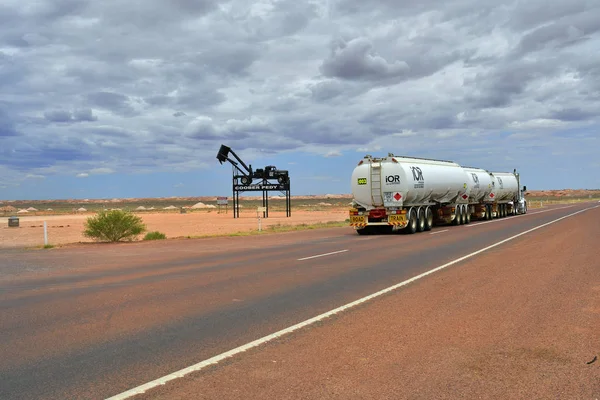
(410, 194)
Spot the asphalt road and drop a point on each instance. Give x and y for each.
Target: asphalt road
(94, 321)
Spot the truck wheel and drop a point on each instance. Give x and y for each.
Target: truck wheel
(428, 219)
(467, 215)
(488, 212)
(421, 221)
(456, 220)
(364, 231)
(412, 222)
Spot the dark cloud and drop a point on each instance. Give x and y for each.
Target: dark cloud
(567, 31)
(534, 13)
(571, 114)
(24, 157)
(356, 60)
(80, 115)
(229, 58)
(7, 125)
(500, 85)
(326, 90)
(116, 102)
(84, 114)
(58, 116)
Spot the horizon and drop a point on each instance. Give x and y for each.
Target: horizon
(230, 197)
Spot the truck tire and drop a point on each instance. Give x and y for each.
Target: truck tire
(412, 222)
(364, 231)
(421, 220)
(428, 219)
(467, 215)
(457, 214)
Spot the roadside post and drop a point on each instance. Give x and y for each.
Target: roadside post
(260, 210)
(45, 233)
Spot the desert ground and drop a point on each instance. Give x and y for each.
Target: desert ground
(66, 225)
(68, 229)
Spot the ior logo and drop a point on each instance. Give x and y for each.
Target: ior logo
(392, 179)
(500, 183)
(475, 180)
(417, 174)
(362, 181)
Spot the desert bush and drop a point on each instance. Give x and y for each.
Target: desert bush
(113, 226)
(156, 235)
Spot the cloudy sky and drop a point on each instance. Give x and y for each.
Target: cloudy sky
(129, 98)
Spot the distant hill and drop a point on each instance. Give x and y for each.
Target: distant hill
(554, 194)
(568, 193)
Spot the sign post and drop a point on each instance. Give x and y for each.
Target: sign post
(222, 201)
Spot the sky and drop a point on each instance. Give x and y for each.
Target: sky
(132, 98)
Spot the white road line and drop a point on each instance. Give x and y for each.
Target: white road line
(214, 360)
(321, 255)
(515, 216)
(436, 232)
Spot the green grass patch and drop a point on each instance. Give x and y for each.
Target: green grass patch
(156, 235)
(277, 228)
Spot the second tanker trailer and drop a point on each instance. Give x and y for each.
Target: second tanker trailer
(413, 194)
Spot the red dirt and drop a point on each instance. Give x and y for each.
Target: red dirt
(64, 229)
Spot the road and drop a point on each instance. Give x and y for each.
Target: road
(95, 321)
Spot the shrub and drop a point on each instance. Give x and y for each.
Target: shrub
(155, 236)
(113, 226)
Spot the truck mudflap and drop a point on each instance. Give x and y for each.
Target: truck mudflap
(359, 220)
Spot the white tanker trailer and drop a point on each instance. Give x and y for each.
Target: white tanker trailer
(413, 194)
(481, 185)
(506, 194)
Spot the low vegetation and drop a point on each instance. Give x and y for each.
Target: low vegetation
(156, 235)
(114, 226)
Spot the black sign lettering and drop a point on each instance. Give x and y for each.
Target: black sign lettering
(392, 179)
(476, 180)
(500, 183)
(417, 174)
